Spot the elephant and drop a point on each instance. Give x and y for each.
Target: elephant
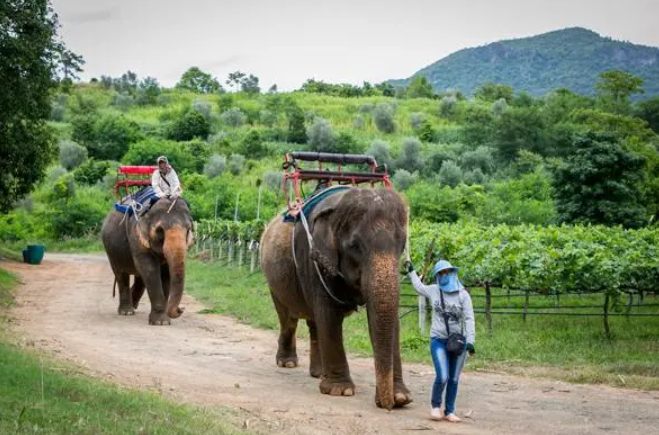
(152, 247)
(349, 257)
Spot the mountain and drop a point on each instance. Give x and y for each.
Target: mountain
(571, 58)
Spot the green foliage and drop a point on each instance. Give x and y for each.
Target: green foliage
(450, 174)
(112, 135)
(233, 117)
(448, 106)
(425, 132)
(347, 144)
(297, 132)
(410, 157)
(381, 151)
(404, 179)
(616, 86)
(519, 129)
(492, 92)
(599, 183)
(648, 111)
(190, 125)
(252, 145)
(91, 172)
(383, 116)
(481, 158)
(196, 80)
(236, 163)
(32, 55)
(215, 166)
(419, 87)
(321, 136)
(71, 155)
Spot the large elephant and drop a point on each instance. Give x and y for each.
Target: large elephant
(152, 247)
(358, 236)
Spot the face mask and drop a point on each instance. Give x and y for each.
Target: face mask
(449, 283)
(444, 279)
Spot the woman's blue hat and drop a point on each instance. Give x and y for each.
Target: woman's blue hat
(443, 265)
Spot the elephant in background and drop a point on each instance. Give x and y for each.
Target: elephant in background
(358, 236)
(152, 247)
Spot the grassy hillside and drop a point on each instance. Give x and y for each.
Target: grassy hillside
(571, 58)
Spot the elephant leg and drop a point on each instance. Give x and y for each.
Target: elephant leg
(125, 305)
(402, 395)
(137, 290)
(336, 379)
(315, 363)
(286, 351)
(164, 277)
(150, 271)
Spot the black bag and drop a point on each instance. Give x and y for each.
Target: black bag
(456, 343)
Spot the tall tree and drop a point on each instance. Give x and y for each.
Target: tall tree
(599, 183)
(616, 86)
(31, 57)
(196, 80)
(420, 87)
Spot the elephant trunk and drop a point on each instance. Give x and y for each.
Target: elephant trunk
(175, 250)
(383, 293)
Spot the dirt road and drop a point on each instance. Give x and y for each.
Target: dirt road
(65, 307)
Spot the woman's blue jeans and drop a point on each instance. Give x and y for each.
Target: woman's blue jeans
(447, 370)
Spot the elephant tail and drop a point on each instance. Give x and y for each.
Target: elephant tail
(114, 288)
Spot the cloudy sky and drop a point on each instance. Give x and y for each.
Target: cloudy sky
(338, 41)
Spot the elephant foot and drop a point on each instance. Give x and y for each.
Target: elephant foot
(337, 388)
(402, 397)
(126, 310)
(288, 362)
(316, 370)
(159, 319)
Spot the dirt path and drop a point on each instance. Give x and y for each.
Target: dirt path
(65, 307)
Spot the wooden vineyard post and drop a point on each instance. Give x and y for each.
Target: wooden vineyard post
(526, 305)
(488, 308)
(241, 253)
(607, 329)
(230, 253)
(210, 242)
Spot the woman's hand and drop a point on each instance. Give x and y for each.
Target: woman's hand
(471, 349)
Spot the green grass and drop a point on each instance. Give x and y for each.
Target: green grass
(40, 396)
(573, 349)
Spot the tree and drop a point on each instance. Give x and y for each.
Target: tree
(383, 115)
(235, 79)
(321, 137)
(250, 85)
(196, 80)
(450, 173)
(599, 183)
(192, 124)
(148, 91)
(420, 87)
(233, 117)
(492, 92)
(113, 136)
(71, 155)
(649, 111)
(297, 132)
(615, 86)
(31, 56)
(410, 157)
(215, 166)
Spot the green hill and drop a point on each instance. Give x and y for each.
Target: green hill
(570, 58)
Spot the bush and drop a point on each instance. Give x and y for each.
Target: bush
(321, 137)
(410, 158)
(215, 166)
(179, 154)
(380, 150)
(113, 135)
(425, 131)
(415, 120)
(57, 112)
(252, 145)
(383, 115)
(474, 177)
(481, 158)
(91, 172)
(499, 106)
(236, 163)
(404, 179)
(71, 155)
(189, 126)
(267, 117)
(450, 173)
(359, 122)
(233, 117)
(448, 106)
(347, 144)
(297, 132)
(204, 108)
(123, 101)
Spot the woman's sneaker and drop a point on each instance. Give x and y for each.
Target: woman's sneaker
(435, 414)
(452, 418)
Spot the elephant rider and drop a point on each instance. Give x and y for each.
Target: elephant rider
(164, 180)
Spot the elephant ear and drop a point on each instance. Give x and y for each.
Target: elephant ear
(142, 232)
(325, 250)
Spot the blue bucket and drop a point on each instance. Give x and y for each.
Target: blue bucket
(35, 253)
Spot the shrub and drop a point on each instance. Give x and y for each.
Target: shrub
(189, 126)
(233, 117)
(481, 158)
(267, 117)
(415, 120)
(113, 136)
(410, 158)
(448, 106)
(359, 122)
(215, 166)
(383, 115)
(252, 145)
(450, 173)
(345, 143)
(380, 150)
(425, 131)
(499, 106)
(71, 155)
(297, 132)
(236, 163)
(321, 137)
(204, 108)
(91, 172)
(474, 177)
(123, 101)
(404, 179)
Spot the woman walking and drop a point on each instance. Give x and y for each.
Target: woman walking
(452, 313)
